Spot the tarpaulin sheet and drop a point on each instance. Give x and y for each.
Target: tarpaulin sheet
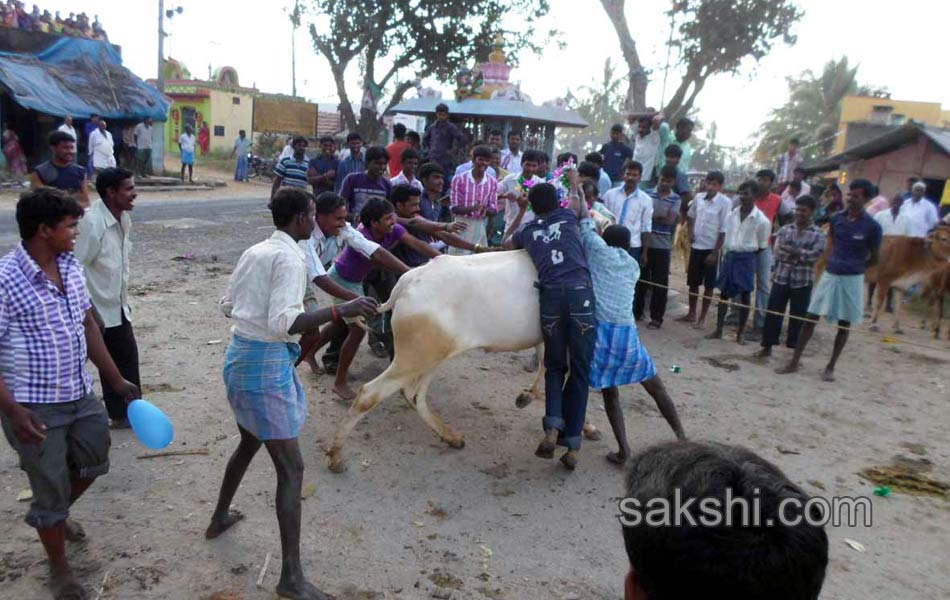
(80, 77)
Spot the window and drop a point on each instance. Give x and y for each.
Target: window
(235, 99)
(219, 131)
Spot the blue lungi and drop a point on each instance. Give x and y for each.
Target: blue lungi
(187, 157)
(263, 389)
(736, 274)
(619, 357)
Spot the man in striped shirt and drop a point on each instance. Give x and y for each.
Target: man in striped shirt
(49, 413)
(475, 199)
(292, 170)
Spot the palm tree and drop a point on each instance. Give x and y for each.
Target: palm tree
(600, 105)
(812, 111)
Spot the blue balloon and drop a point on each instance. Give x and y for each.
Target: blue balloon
(150, 424)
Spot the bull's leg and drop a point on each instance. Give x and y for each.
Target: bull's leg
(536, 391)
(897, 311)
(366, 399)
(879, 295)
(445, 433)
(938, 316)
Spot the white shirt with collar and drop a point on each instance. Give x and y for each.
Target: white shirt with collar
(67, 129)
(266, 290)
(102, 149)
(401, 179)
(511, 161)
(788, 202)
(921, 214)
(645, 150)
(709, 219)
(286, 152)
(319, 249)
(510, 185)
(638, 216)
(104, 248)
(891, 225)
(747, 235)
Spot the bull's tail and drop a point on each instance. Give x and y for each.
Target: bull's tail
(394, 295)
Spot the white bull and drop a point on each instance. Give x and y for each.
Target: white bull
(485, 301)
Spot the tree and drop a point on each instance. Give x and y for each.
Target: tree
(599, 105)
(812, 112)
(711, 38)
(424, 38)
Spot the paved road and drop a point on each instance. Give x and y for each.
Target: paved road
(218, 210)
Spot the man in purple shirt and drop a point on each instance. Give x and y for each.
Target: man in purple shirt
(440, 137)
(48, 410)
(855, 238)
(568, 328)
(360, 188)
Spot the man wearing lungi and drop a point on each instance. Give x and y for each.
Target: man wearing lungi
(854, 240)
(619, 357)
(747, 234)
(265, 300)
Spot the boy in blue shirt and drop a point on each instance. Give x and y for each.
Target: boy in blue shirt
(854, 239)
(568, 328)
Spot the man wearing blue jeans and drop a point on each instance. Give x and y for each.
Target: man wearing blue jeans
(553, 240)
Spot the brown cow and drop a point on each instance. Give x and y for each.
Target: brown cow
(936, 288)
(906, 261)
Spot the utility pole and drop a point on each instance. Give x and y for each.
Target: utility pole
(158, 129)
(161, 46)
(295, 20)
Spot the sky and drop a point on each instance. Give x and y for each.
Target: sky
(895, 44)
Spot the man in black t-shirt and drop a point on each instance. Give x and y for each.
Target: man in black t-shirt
(61, 171)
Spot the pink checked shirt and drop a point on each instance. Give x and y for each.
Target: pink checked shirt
(466, 193)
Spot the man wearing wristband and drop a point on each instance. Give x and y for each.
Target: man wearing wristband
(265, 300)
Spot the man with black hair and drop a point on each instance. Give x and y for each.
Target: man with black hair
(791, 193)
(566, 158)
(355, 161)
(516, 186)
(553, 240)
(706, 226)
(242, 145)
(684, 130)
(511, 156)
(104, 249)
(855, 239)
(633, 208)
(265, 300)
(292, 171)
(494, 139)
(789, 162)
(440, 137)
(681, 187)
(798, 246)
(396, 148)
(602, 180)
(475, 198)
(61, 171)
(415, 142)
(776, 212)
(468, 165)
(360, 188)
(616, 154)
(781, 555)
(747, 235)
(646, 145)
(659, 248)
(143, 147)
(48, 410)
(322, 169)
(409, 162)
(434, 204)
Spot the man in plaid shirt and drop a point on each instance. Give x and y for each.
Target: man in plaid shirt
(48, 410)
(798, 246)
(475, 199)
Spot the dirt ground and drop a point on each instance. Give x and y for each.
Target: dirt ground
(413, 518)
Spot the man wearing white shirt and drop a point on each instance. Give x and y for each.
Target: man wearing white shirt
(894, 221)
(67, 127)
(921, 213)
(747, 234)
(328, 239)
(186, 144)
(288, 150)
(511, 156)
(706, 224)
(795, 189)
(409, 159)
(646, 145)
(101, 147)
(633, 208)
(143, 147)
(514, 186)
(264, 299)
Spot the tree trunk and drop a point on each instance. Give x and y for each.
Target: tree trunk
(636, 99)
(346, 109)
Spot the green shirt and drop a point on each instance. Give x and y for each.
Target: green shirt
(667, 137)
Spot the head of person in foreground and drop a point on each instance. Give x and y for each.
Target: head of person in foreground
(746, 535)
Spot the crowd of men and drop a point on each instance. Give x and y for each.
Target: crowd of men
(352, 226)
(13, 15)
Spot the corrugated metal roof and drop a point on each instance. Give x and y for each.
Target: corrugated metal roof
(505, 109)
(884, 143)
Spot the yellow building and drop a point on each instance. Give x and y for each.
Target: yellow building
(885, 111)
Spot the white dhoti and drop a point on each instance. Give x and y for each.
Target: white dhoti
(477, 233)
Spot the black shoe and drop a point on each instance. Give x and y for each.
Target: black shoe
(119, 424)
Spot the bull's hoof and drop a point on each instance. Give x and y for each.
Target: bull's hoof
(524, 399)
(458, 443)
(874, 327)
(592, 433)
(898, 331)
(336, 464)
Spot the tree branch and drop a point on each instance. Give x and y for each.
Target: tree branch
(637, 85)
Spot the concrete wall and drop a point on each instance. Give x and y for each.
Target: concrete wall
(233, 117)
(890, 171)
(859, 108)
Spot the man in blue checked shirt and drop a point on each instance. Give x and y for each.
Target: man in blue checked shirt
(48, 410)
